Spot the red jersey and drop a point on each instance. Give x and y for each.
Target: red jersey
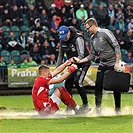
(40, 91)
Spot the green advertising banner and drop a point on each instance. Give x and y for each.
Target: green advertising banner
(24, 77)
(21, 77)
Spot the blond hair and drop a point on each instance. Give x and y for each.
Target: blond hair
(42, 68)
(91, 21)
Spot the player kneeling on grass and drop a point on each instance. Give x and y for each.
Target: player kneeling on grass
(44, 104)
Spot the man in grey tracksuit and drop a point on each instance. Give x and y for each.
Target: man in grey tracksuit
(104, 44)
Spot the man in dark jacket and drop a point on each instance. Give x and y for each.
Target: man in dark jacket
(73, 44)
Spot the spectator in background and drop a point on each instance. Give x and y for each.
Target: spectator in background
(67, 14)
(42, 62)
(44, 36)
(47, 53)
(2, 63)
(16, 16)
(75, 24)
(12, 42)
(22, 40)
(6, 18)
(59, 3)
(129, 58)
(38, 38)
(121, 4)
(30, 41)
(116, 7)
(35, 53)
(31, 62)
(40, 5)
(8, 4)
(119, 14)
(130, 25)
(90, 11)
(120, 24)
(32, 15)
(44, 21)
(37, 26)
(3, 69)
(24, 64)
(129, 40)
(81, 14)
(3, 40)
(22, 5)
(53, 44)
(120, 38)
(53, 10)
(76, 4)
(1, 7)
(111, 14)
(72, 13)
(102, 15)
(64, 16)
(55, 23)
(128, 13)
(12, 64)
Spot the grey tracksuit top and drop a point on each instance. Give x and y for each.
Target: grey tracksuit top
(104, 44)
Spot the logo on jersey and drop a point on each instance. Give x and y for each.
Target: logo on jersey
(101, 39)
(73, 48)
(47, 106)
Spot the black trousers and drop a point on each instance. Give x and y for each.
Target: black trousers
(99, 88)
(77, 78)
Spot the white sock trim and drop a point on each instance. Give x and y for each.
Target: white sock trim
(55, 99)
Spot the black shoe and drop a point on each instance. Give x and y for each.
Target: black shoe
(118, 111)
(98, 110)
(83, 109)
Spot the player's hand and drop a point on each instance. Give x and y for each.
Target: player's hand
(71, 59)
(72, 68)
(68, 63)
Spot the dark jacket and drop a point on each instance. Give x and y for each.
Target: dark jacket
(75, 46)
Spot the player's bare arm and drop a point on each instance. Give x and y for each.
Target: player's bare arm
(61, 68)
(71, 69)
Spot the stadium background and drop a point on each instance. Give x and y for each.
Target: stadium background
(5, 88)
(15, 116)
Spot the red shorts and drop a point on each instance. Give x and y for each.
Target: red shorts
(47, 108)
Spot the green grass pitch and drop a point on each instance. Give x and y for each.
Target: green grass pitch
(17, 116)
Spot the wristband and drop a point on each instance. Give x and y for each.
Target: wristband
(71, 69)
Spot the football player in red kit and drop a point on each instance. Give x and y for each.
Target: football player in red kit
(44, 104)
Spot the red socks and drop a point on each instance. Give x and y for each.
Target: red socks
(66, 98)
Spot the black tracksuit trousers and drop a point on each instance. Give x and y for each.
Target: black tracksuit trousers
(99, 88)
(77, 78)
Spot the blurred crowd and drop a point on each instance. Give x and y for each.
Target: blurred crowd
(40, 36)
